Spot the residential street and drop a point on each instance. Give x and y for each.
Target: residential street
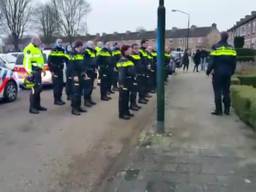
(57, 152)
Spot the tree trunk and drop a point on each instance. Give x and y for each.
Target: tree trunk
(16, 42)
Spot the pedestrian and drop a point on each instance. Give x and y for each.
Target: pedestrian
(167, 58)
(222, 67)
(68, 52)
(185, 60)
(197, 59)
(78, 77)
(90, 61)
(56, 62)
(34, 64)
(126, 70)
(104, 61)
(116, 55)
(151, 70)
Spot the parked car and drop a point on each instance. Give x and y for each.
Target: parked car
(9, 85)
(22, 73)
(8, 59)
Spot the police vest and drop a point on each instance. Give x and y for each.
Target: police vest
(136, 57)
(116, 53)
(33, 57)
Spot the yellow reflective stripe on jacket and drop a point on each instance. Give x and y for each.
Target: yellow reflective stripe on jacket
(224, 51)
(143, 53)
(92, 54)
(154, 54)
(104, 54)
(125, 64)
(167, 55)
(136, 57)
(57, 54)
(67, 56)
(150, 57)
(115, 53)
(77, 57)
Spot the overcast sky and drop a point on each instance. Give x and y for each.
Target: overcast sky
(122, 15)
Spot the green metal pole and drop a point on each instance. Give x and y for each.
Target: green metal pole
(160, 68)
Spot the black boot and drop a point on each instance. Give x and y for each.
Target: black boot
(91, 101)
(40, 108)
(33, 111)
(59, 102)
(75, 112)
(87, 103)
(124, 117)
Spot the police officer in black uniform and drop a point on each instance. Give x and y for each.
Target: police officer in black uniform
(56, 61)
(143, 73)
(116, 55)
(104, 61)
(90, 61)
(136, 59)
(127, 74)
(78, 76)
(68, 52)
(222, 67)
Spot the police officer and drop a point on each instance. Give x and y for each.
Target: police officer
(154, 69)
(127, 72)
(68, 52)
(145, 65)
(167, 58)
(90, 61)
(56, 61)
(151, 70)
(222, 67)
(34, 63)
(136, 59)
(104, 62)
(78, 76)
(116, 55)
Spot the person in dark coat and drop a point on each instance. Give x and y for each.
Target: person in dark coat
(222, 67)
(185, 60)
(197, 59)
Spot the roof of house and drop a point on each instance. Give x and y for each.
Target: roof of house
(244, 20)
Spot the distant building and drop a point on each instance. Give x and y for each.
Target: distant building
(246, 28)
(200, 37)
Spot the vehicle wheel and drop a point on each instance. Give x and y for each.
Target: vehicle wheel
(10, 92)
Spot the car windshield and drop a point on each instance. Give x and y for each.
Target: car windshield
(9, 58)
(20, 57)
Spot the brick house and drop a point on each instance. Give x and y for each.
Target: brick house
(246, 28)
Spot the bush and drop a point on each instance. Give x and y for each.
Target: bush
(244, 103)
(245, 54)
(239, 42)
(247, 79)
(235, 81)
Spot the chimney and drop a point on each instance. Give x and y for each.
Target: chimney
(214, 26)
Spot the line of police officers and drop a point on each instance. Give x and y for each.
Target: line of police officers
(129, 69)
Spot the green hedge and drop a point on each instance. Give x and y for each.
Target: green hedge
(244, 103)
(247, 79)
(244, 54)
(235, 81)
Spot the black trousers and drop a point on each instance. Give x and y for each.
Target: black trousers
(110, 80)
(76, 93)
(115, 79)
(185, 66)
(58, 83)
(221, 87)
(88, 85)
(142, 80)
(133, 93)
(35, 99)
(123, 102)
(69, 83)
(104, 83)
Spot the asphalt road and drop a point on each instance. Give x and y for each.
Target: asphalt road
(58, 152)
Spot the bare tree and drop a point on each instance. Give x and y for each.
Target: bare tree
(72, 14)
(15, 16)
(47, 17)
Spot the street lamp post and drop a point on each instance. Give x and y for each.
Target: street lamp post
(188, 32)
(160, 67)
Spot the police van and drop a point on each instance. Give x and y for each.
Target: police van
(9, 86)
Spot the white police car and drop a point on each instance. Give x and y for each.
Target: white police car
(9, 86)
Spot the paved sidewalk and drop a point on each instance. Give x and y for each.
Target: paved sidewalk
(199, 153)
